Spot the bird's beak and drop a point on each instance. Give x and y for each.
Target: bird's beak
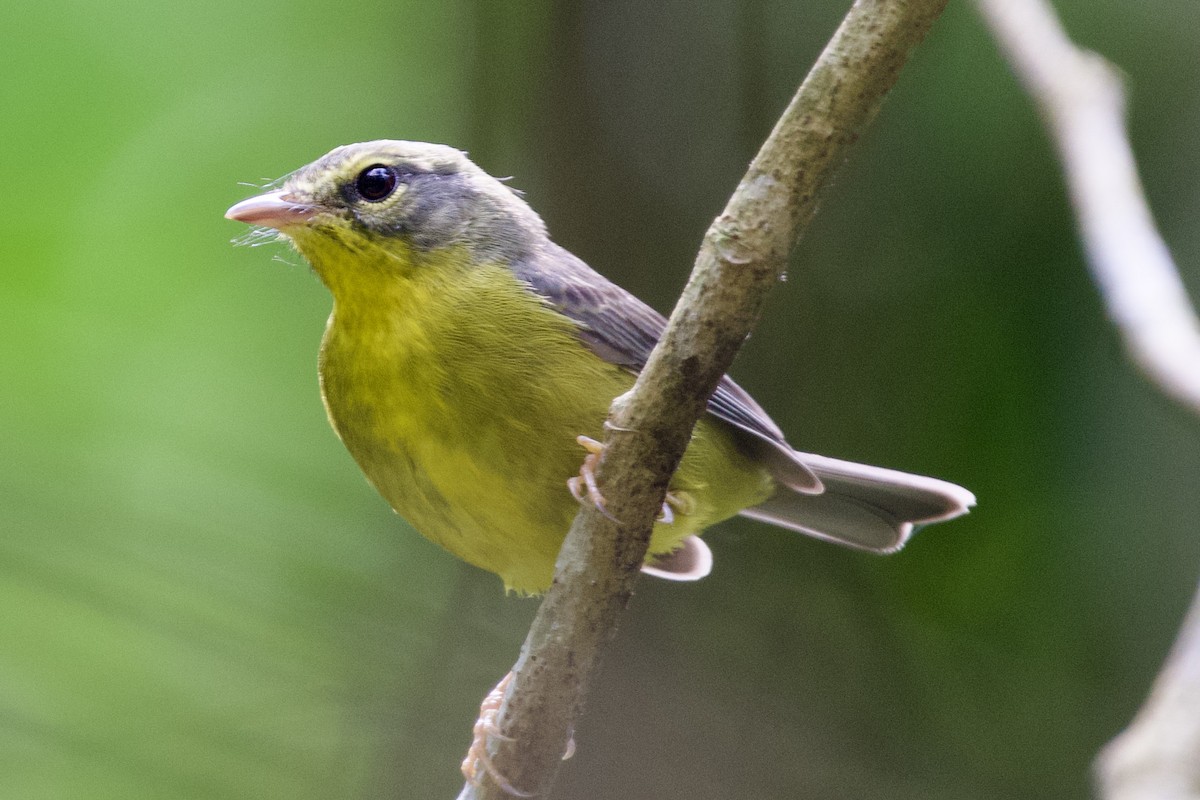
(277, 210)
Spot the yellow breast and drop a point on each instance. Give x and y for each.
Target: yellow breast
(460, 393)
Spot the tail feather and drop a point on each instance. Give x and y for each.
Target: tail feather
(691, 561)
(870, 508)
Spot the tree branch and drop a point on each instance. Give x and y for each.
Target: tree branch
(1158, 756)
(743, 254)
(1081, 100)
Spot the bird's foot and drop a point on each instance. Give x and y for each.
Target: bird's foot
(478, 761)
(681, 502)
(584, 484)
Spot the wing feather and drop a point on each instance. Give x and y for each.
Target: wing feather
(622, 330)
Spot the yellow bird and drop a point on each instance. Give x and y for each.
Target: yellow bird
(467, 352)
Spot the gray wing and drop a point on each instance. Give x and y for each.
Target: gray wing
(861, 506)
(622, 330)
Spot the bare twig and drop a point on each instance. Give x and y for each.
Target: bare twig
(742, 256)
(1158, 756)
(1080, 97)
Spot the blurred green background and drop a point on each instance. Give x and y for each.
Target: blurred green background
(200, 596)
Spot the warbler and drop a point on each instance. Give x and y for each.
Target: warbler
(467, 354)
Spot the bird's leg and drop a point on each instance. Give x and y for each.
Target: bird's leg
(485, 727)
(584, 485)
(676, 501)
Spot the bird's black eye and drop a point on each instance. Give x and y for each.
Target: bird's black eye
(375, 183)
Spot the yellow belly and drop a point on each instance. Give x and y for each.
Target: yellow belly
(461, 400)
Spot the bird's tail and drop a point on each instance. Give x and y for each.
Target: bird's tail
(870, 508)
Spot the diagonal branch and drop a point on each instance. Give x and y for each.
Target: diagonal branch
(1158, 756)
(1081, 99)
(743, 254)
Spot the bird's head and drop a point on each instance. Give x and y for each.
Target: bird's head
(394, 201)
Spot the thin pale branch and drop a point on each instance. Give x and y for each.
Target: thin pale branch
(1158, 756)
(1081, 99)
(743, 254)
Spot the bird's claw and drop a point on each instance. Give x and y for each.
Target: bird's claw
(584, 484)
(681, 502)
(478, 760)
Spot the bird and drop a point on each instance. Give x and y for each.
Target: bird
(469, 363)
